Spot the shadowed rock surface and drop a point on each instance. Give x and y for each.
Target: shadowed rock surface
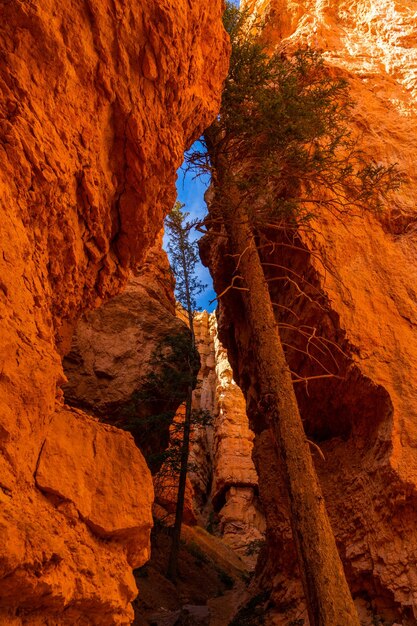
(115, 349)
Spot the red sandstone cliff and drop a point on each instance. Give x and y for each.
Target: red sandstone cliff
(98, 101)
(360, 296)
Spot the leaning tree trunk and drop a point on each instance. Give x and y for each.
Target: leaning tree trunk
(328, 598)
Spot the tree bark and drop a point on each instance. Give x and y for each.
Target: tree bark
(186, 270)
(328, 598)
(172, 571)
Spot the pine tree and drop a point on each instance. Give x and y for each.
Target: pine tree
(184, 257)
(278, 152)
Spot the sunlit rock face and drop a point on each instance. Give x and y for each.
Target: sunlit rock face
(370, 38)
(98, 101)
(223, 473)
(361, 298)
(222, 484)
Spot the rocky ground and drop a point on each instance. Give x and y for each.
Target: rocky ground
(210, 582)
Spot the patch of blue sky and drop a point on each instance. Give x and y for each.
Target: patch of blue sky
(190, 192)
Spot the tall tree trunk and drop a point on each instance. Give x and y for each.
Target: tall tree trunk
(185, 259)
(172, 571)
(327, 594)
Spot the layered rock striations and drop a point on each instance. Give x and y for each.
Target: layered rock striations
(353, 315)
(98, 101)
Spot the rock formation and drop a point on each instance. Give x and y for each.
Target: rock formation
(224, 476)
(98, 101)
(110, 358)
(222, 487)
(167, 478)
(114, 352)
(112, 346)
(357, 319)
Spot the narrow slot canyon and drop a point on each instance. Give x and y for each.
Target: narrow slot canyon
(107, 352)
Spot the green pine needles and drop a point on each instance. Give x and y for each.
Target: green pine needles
(184, 257)
(283, 138)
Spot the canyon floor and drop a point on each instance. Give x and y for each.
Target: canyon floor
(208, 589)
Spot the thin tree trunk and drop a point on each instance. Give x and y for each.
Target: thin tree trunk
(327, 594)
(172, 571)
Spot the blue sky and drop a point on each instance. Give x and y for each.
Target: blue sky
(190, 192)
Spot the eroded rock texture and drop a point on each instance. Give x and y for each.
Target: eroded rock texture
(224, 476)
(98, 101)
(115, 367)
(222, 484)
(357, 319)
(112, 346)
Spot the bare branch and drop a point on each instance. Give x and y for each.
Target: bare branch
(231, 286)
(316, 447)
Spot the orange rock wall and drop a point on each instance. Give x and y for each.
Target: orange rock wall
(222, 484)
(361, 295)
(98, 101)
(167, 479)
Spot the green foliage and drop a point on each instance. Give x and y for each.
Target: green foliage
(171, 457)
(183, 256)
(175, 364)
(150, 412)
(282, 137)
